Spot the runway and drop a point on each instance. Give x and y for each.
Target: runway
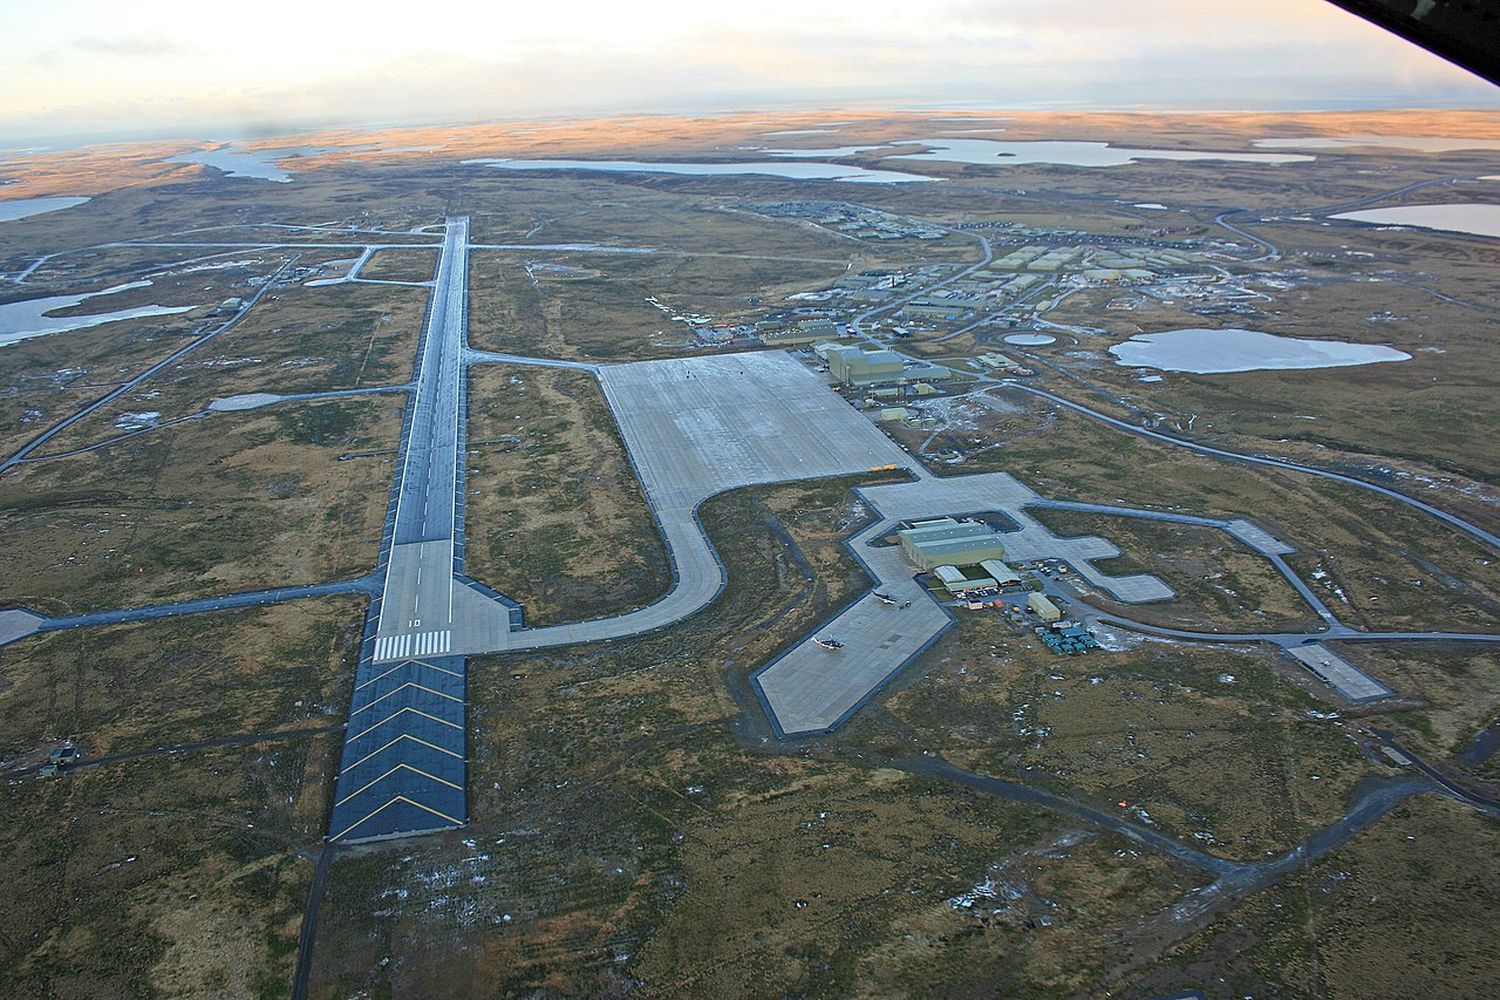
(404, 769)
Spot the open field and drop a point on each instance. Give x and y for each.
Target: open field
(180, 873)
(233, 502)
(1214, 746)
(556, 519)
(1455, 692)
(604, 315)
(124, 688)
(400, 265)
(345, 337)
(1403, 911)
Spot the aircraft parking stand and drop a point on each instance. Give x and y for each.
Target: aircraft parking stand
(809, 689)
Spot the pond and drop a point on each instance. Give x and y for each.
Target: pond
(1212, 352)
(1473, 219)
(29, 317)
(25, 208)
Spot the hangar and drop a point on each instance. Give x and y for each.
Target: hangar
(944, 541)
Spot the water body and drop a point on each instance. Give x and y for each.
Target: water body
(1006, 152)
(792, 170)
(28, 318)
(1010, 152)
(1419, 144)
(253, 164)
(832, 153)
(1030, 339)
(1155, 206)
(1213, 352)
(24, 208)
(1474, 219)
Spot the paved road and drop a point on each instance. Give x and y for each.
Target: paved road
(1454, 789)
(1473, 531)
(1336, 633)
(125, 387)
(1370, 802)
(248, 599)
(1271, 252)
(1245, 531)
(473, 356)
(989, 255)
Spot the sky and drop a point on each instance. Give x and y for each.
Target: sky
(188, 67)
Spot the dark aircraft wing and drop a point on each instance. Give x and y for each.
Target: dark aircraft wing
(1466, 32)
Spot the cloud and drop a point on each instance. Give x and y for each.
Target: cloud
(685, 56)
(131, 48)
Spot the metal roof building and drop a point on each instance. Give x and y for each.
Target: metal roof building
(853, 366)
(1001, 573)
(957, 584)
(946, 542)
(1043, 607)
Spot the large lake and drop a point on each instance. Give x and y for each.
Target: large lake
(1008, 152)
(1415, 143)
(790, 169)
(28, 318)
(25, 208)
(1474, 219)
(1212, 352)
(253, 164)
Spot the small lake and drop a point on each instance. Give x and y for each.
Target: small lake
(28, 318)
(1476, 220)
(1418, 144)
(25, 208)
(1030, 339)
(1213, 352)
(789, 169)
(1008, 152)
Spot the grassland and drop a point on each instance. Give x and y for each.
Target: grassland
(232, 502)
(400, 265)
(555, 518)
(1402, 911)
(178, 874)
(1220, 582)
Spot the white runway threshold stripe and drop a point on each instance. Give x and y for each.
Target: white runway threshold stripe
(408, 644)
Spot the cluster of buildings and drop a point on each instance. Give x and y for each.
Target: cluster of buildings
(967, 559)
(852, 220)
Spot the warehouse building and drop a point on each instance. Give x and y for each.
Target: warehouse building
(956, 583)
(1042, 607)
(946, 542)
(1003, 575)
(852, 366)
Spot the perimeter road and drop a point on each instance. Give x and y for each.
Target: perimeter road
(125, 387)
(1493, 541)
